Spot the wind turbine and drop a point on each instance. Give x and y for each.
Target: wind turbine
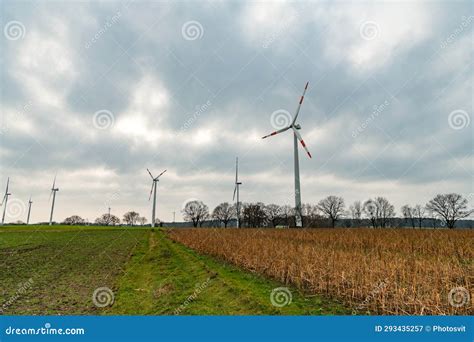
(5, 200)
(53, 192)
(296, 136)
(153, 187)
(236, 190)
(29, 211)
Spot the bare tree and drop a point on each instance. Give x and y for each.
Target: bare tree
(355, 211)
(224, 212)
(131, 217)
(310, 213)
(107, 219)
(273, 213)
(409, 214)
(196, 212)
(142, 220)
(254, 214)
(74, 219)
(287, 212)
(449, 208)
(419, 214)
(332, 207)
(386, 211)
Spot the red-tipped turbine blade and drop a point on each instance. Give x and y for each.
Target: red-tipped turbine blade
(150, 174)
(299, 104)
(277, 132)
(160, 174)
(301, 141)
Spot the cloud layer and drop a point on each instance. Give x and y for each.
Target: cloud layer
(97, 92)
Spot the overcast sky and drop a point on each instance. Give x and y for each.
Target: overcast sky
(99, 91)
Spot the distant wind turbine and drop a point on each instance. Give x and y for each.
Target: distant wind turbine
(296, 136)
(53, 192)
(236, 191)
(29, 211)
(5, 201)
(153, 187)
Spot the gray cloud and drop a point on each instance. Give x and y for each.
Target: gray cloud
(375, 116)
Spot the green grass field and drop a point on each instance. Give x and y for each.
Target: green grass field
(55, 270)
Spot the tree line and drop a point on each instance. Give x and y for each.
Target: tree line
(378, 212)
(131, 218)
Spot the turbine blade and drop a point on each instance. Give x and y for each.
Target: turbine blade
(3, 200)
(277, 132)
(301, 141)
(54, 181)
(151, 190)
(236, 169)
(8, 182)
(235, 189)
(160, 174)
(150, 174)
(50, 194)
(299, 104)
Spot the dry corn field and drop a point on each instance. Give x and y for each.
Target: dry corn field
(390, 271)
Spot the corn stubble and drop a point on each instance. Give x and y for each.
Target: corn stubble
(390, 271)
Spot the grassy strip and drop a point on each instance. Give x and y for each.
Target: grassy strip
(164, 277)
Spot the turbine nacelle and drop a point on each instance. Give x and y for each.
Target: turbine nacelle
(294, 126)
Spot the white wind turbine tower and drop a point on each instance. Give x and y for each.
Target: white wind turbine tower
(5, 201)
(53, 192)
(236, 191)
(153, 187)
(29, 211)
(296, 136)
